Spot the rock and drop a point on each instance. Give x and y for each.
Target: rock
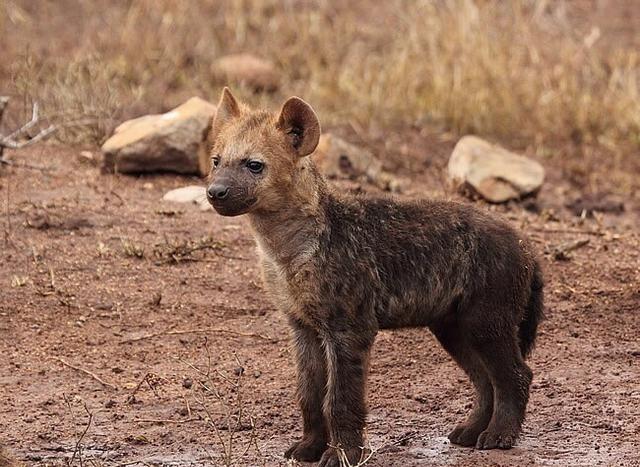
(110, 404)
(595, 202)
(185, 194)
(43, 221)
(249, 70)
(204, 152)
(493, 172)
(336, 158)
(189, 194)
(86, 156)
(165, 142)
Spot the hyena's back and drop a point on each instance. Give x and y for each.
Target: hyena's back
(419, 263)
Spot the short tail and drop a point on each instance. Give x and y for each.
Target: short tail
(533, 314)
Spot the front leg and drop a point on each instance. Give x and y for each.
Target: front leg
(345, 409)
(312, 382)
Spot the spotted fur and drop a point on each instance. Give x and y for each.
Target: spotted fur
(342, 267)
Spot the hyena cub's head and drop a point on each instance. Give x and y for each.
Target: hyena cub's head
(257, 156)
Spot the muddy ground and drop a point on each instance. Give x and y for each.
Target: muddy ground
(133, 331)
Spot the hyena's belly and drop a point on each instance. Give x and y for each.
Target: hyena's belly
(416, 307)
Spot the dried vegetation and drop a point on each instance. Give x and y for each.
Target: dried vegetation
(522, 70)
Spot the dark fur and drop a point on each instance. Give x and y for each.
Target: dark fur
(384, 264)
(343, 267)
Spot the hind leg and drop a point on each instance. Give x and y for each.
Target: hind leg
(466, 433)
(511, 379)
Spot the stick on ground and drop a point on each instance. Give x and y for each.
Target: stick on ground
(78, 448)
(561, 252)
(86, 372)
(197, 331)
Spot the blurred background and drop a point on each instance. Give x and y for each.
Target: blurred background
(531, 72)
(121, 292)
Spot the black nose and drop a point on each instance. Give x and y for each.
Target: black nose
(217, 192)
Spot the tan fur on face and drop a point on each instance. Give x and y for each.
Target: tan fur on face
(239, 132)
(286, 216)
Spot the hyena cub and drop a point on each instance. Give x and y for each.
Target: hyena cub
(342, 267)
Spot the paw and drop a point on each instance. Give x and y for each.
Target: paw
(490, 439)
(341, 458)
(306, 450)
(465, 435)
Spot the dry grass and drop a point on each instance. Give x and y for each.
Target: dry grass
(227, 411)
(517, 70)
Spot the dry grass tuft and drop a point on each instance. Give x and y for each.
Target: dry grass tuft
(132, 249)
(175, 251)
(514, 70)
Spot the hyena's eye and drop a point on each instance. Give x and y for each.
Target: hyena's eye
(255, 166)
(215, 160)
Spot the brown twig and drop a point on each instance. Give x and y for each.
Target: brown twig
(235, 410)
(26, 165)
(147, 378)
(561, 252)
(162, 420)
(149, 336)
(176, 252)
(4, 101)
(78, 448)
(7, 230)
(227, 445)
(86, 372)
(197, 331)
(118, 197)
(10, 141)
(368, 452)
(569, 231)
(132, 396)
(186, 401)
(15, 141)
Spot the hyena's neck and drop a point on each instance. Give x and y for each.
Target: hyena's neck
(291, 236)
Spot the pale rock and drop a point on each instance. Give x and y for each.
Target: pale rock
(166, 142)
(337, 158)
(195, 194)
(493, 172)
(249, 70)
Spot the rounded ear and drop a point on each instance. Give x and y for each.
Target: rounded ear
(301, 125)
(227, 110)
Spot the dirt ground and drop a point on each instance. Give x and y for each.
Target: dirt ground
(160, 309)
